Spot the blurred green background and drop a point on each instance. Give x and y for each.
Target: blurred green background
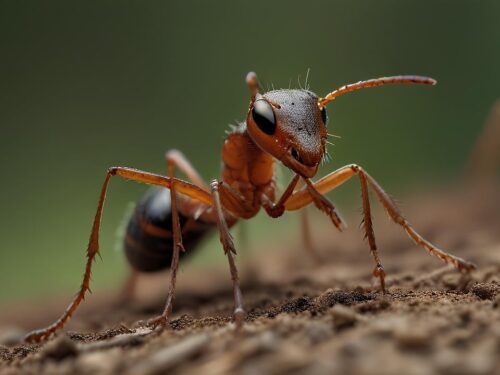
(87, 85)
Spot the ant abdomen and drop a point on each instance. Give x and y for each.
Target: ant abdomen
(148, 242)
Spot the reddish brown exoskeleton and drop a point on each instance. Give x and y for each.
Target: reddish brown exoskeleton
(284, 125)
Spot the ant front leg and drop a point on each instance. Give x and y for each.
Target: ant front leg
(183, 187)
(367, 223)
(277, 209)
(322, 203)
(333, 180)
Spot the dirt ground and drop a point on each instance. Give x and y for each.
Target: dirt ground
(303, 317)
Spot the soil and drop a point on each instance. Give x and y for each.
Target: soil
(304, 316)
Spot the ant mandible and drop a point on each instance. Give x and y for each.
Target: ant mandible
(285, 125)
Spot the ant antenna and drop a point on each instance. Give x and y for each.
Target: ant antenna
(253, 85)
(419, 80)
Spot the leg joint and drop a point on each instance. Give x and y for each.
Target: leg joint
(214, 184)
(172, 154)
(356, 168)
(112, 170)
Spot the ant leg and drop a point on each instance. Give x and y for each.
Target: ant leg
(322, 203)
(129, 286)
(307, 238)
(277, 209)
(177, 158)
(326, 206)
(183, 187)
(229, 250)
(306, 234)
(369, 234)
(485, 156)
(367, 222)
(398, 218)
(340, 176)
(162, 320)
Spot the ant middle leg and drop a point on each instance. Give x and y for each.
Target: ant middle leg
(174, 158)
(230, 251)
(179, 160)
(162, 320)
(307, 237)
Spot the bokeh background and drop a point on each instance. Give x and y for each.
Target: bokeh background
(87, 85)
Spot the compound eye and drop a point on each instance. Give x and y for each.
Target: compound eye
(324, 117)
(263, 115)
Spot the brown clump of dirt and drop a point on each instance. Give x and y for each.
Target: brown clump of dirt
(303, 317)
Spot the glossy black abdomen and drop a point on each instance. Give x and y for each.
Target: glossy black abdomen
(148, 241)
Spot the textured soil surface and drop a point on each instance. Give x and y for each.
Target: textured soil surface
(304, 317)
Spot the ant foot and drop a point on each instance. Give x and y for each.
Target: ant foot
(239, 317)
(160, 322)
(380, 273)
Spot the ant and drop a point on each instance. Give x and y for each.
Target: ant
(284, 125)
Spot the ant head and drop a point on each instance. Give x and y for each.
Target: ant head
(289, 125)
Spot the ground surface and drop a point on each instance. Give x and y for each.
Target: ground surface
(303, 317)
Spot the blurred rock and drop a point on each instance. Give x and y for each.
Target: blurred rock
(100, 362)
(10, 336)
(344, 317)
(318, 331)
(59, 348)
(408, 336)
(484, 291)
(171, 356)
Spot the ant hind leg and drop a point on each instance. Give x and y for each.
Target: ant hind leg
(183, 187)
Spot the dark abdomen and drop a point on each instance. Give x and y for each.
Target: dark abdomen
(148, 240)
